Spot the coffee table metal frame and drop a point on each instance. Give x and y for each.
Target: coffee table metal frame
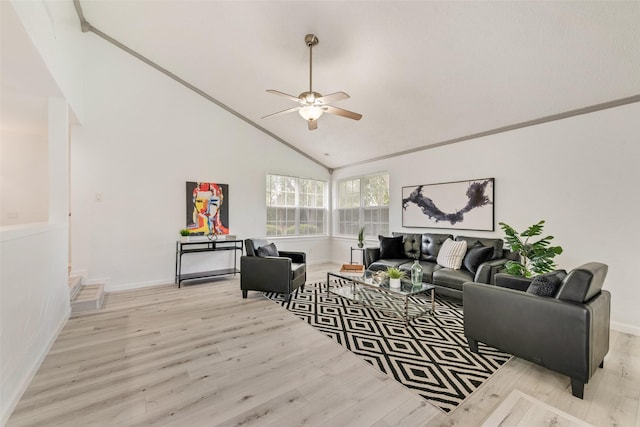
(406, 290)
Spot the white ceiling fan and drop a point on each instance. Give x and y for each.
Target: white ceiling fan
(313, 104)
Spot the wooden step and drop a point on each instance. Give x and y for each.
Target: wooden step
(74, 286)
(90, 297)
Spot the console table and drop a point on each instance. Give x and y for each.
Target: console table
(184, 248)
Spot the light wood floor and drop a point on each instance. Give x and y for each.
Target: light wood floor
(203, 356)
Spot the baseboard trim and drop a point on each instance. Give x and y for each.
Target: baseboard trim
(627, 329)
(131, 286)
(160, 282)
(15, 399)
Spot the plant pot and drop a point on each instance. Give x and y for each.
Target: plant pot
(360, 245)
(394, 283)
(184, 239)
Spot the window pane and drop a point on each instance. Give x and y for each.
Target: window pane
(363, 202)
(295, 206)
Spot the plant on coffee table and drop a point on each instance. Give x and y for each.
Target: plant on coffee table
(395, 273)
(535, 257)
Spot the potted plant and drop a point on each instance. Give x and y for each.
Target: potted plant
(395, 276)
(361, 237)
(535, 257)
(184, 235)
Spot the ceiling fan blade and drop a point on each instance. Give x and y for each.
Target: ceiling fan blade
(313, 124)
(286, 95)
(340, 112)
(332, 97)
(288, 110)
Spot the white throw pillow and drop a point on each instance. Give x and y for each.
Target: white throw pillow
(452, 253)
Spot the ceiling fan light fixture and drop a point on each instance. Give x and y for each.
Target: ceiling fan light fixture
(311, 105)
(310, 112)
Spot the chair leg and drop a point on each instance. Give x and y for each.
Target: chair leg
(244, 293)
(473, 345)
(577, 388)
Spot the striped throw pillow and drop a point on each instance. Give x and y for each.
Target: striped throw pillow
(452, 253)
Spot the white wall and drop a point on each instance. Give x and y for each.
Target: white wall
(24, 177)
(143, 137)
(54, 29)
(34, 304)
(34, 294)
(581, 175)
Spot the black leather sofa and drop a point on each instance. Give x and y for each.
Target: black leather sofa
(567, 332)
(425, 247)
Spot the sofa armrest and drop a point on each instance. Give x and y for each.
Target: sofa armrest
(519, 283)
(556, 334)
(487, 270)
(299, 257)
(265, 273)
(371, 255)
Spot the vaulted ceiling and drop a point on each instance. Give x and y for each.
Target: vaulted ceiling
(420, 72)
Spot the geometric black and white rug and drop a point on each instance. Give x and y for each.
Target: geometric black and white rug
(429, 356)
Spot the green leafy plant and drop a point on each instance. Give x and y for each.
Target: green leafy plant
(361, 237)
(535, 257)
(395, 273)
(185, 232)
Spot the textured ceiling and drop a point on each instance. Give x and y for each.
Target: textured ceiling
(420, 72)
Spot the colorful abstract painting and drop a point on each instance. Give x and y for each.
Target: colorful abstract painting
(207, 208)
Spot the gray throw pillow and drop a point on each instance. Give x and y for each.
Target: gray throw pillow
(267, 250)
(548, 284)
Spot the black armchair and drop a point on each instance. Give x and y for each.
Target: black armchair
(282, 274)
(568, 333)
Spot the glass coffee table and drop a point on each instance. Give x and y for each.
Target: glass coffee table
(365, 288)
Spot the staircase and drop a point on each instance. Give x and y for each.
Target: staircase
(85, 297)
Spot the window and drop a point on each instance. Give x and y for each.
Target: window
(296, 206)
(363, 201)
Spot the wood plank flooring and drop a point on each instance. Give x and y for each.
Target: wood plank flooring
(203, 356)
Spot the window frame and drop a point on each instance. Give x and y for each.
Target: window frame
(301, 196)
(370, 232)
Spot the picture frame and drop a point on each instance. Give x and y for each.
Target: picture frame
(207, 208)
(460, 205)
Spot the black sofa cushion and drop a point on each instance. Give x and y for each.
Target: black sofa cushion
(496, 244)
(431, 244)
(453, 279)
(391, 247)
(411, 244)
(427, 269)
(476, 256)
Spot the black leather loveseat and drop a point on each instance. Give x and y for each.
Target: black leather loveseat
(425, 248)
(566, 330)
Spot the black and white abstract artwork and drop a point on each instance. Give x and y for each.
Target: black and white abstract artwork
(462, 205)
